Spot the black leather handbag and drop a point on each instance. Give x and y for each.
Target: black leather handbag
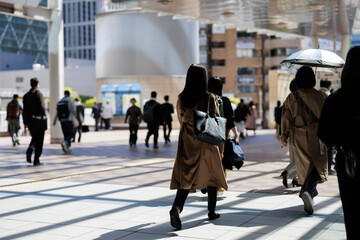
(209, 129)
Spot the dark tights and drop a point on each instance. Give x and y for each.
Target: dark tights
(182, 194)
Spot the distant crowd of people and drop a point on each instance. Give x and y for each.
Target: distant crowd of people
(155, 115)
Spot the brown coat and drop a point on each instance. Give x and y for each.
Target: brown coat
(300, 127)
(198, 164)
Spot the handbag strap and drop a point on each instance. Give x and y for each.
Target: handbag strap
(208, 105)
(307, 109)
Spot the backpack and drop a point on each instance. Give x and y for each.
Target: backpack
(148, 115)
(62, 110)
(13, 109)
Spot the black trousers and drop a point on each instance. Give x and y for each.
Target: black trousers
(311, 184)
(133, 133)
(182, 194)
(79, 130)
(350, 198)
(153, 129)
(96, 124)
(37, 142)
(68, 131)
(168, 126)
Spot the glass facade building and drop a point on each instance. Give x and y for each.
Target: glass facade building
(79, 29)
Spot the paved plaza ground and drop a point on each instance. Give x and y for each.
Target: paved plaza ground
(106, 190)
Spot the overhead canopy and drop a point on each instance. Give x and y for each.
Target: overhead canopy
(272, 17)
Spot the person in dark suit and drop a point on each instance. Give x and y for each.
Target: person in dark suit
(96, 115)
(80, 114)
(34, 117)
(166, 110)
(134, 115)
(152, 116)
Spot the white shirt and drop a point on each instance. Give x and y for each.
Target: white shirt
(107, 112)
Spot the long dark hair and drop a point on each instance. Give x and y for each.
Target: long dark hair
(351, 72)
(195, 86)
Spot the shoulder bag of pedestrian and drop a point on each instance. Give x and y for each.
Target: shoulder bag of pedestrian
(209, 129)
(75, 122)
(233, 155)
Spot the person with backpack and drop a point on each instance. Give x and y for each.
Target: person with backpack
(299, 121)
(35, 119)
(13, 111)
(215, 86)
(152, 116)
(65, 111)
(339, 126)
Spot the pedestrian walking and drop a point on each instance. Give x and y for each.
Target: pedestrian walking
(107, 115)
(250, 123)
(325, 86)
(152, 116)
(290, 170)
(13, 111)
(65, 112)
(300, 118)
(80, 114)
(215, 86)
(134, 115)
(35, 119)
(342, 109)
(197, 164)
(166, 110)
(277, 112)
(241, 113)
(96, 115)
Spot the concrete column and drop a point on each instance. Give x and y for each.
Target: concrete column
(314, 30)
(345, 29)
(56, 65)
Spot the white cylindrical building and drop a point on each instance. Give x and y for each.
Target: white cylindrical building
(136, 47)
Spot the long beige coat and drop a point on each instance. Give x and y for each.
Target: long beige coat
(198, 164)
(300, 127)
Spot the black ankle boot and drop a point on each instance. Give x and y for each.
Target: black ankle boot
(175, 219)
(213, 215)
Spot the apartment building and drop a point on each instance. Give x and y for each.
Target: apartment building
(243, 59)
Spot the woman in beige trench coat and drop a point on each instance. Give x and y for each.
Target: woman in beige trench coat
(299, 122)
(198, 164)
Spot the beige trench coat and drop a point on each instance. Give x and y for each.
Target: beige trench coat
(300, 127)
(198, 164)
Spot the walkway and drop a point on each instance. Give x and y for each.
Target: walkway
(105, 190)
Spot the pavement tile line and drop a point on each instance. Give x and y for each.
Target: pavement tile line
(147, 162)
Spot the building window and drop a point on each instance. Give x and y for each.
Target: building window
(90, 55)
(245, 35)
(246, 79)
(281, 52)
(19, 80)
(79, 12)
(246, 89)
(245, 53)
(218, 44)
(218, 62)
(246, 71)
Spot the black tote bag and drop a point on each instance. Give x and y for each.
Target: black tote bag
(209, 129)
